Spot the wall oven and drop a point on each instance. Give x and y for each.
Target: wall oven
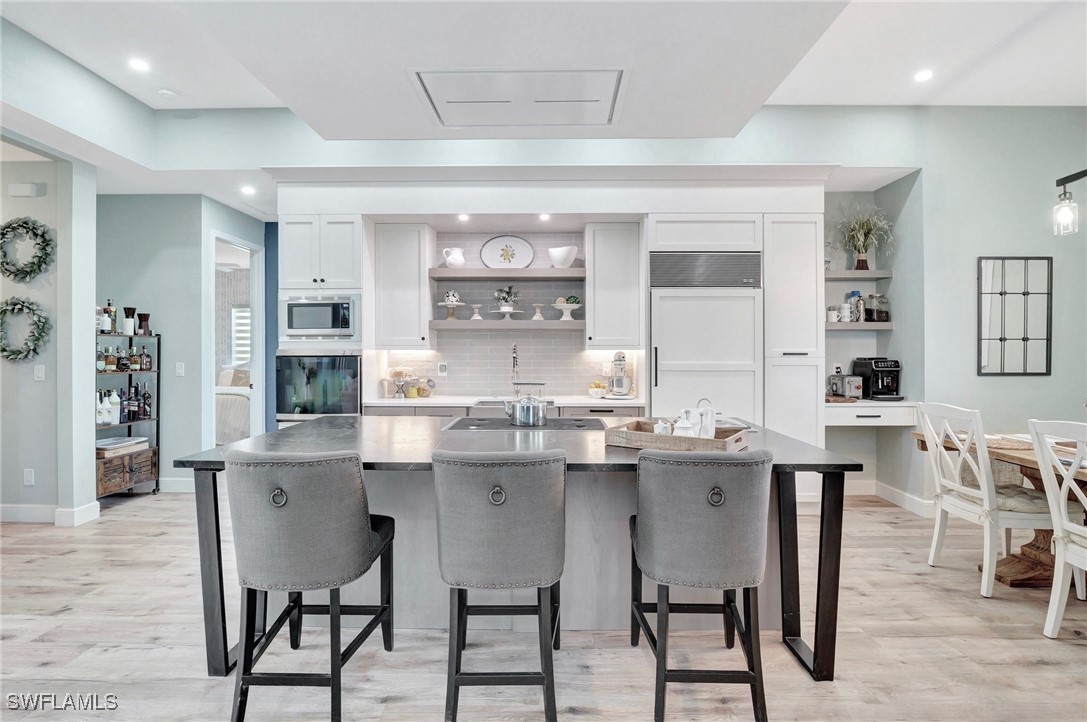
(311, 384)
(320, 317)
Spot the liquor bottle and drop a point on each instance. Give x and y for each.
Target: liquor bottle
(147, 402)
(124, 406)
(111, 311)
(134, 403)
(114, 408)
(110, 359)
(122, 359)
(139, 401)
(99, 412)
(134, 361)
(103, 323)
(100, 358)
(145, 360)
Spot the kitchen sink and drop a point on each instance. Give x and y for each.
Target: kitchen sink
(504, 424)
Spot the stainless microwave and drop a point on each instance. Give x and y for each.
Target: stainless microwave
(320, 316)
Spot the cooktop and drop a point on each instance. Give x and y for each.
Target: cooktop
(556, 424)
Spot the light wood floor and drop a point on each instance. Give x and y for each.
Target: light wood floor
(114, 607)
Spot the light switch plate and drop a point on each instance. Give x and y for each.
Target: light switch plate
(39, 372)
(28, 477)
(443, 368)
(179, 369)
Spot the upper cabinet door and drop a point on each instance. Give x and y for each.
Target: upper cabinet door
(402, 290)
(341, 252)
(705, 232)
(299, 252)
(614, 286)
(792, 262)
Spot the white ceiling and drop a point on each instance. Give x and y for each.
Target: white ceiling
(184, 56)
(981, 53)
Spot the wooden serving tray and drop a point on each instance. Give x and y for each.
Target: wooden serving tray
(639, 434)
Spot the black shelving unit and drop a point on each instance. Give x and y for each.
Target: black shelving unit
(120, 468)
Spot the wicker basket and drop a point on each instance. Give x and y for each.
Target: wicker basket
(639, 434)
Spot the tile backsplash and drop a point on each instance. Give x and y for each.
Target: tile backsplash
(480, 361)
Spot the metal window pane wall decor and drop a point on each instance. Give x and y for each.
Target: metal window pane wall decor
(1015, 315)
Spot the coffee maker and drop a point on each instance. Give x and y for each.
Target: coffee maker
(880, 377)
(619, 383)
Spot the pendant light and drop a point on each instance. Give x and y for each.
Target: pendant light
(1066, 212)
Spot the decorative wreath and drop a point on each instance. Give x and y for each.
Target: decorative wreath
(39, 329)
(44, 247)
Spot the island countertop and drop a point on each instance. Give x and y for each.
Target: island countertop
(406, 443)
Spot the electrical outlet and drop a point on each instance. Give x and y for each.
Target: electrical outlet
(443, 369)
(28, 477)
(39, 372)
(179, 369)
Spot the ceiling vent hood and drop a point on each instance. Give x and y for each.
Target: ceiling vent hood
(491, 98)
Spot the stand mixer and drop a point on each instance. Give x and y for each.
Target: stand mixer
(620, 385)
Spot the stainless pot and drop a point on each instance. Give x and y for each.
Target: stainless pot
(527, 411)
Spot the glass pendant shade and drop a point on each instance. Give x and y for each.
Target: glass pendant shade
(1065, 215)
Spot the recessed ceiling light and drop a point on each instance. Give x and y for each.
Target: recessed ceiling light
(248, 190)
(923, 76)
(545, 216)
(167, 93)
(139, 64)
(463, 217)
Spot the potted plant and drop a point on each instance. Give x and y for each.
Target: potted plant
(864, 231)
(506, 298)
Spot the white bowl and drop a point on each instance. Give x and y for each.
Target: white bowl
(563, 256)
(597, 393)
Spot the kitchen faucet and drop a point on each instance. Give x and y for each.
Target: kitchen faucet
(514, 375)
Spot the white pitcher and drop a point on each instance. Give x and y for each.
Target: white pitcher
(454, 257)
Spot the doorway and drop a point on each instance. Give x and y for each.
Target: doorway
(238, 401)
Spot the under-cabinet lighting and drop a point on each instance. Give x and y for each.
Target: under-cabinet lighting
(139, 65)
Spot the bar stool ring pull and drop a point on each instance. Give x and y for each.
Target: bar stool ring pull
(716, 497)
(278, 498)
(501, 498)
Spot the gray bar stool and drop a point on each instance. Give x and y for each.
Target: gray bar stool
(701, 523)
(501, 525)
(302, 522)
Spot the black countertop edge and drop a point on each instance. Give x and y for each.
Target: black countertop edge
(619, 467)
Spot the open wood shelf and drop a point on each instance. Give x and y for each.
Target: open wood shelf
(861, 326)
(503, 325)
(873, 275)
(507, 274)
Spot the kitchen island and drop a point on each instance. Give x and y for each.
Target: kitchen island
(600, 497)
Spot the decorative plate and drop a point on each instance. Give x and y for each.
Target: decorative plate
(506, 252)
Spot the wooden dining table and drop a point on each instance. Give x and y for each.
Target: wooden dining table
(1033, 565)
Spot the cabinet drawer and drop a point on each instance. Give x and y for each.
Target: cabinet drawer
(582, 411)
(111, 475)
(858, 415)
(143, 466)
(445, 411)
(705, 232)
(388, 411)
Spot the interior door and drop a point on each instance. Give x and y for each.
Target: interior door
(706, 343)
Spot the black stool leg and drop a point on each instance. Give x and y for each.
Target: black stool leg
(452, 692)
(662, 651)
(730, 624)
(462, 628)
(334, 643)
(635, 597)
(387, 596)
(245, 653)
(556, 611)
(543, 599)
(294, 622)
(754, 660)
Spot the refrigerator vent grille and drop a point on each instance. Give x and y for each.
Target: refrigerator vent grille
(705, 270)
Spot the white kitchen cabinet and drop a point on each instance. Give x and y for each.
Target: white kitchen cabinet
(706, 343)
(388, 411)
(448, 412)
(320, 252)
(792, 263)
(795, 407)
(605, 411)
(869, 414)
(706, 232)
(614, 285)
(402, 291)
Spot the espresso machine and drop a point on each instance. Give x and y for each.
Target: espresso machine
(620, 385)
(880, 377)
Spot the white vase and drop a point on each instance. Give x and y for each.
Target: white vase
(563, 256)
(454, 257)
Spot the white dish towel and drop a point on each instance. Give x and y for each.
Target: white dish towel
(703, 421)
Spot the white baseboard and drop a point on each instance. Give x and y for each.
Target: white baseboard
(27, 513)
(812, 500)
(919, 506)
(182, 484)
(66, 516)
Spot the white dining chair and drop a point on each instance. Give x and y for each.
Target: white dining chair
(1069, 531)
(993, 507)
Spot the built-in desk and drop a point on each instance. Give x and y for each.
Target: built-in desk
(872, 413)
(601, 495)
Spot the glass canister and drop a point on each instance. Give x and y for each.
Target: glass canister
(877, 307)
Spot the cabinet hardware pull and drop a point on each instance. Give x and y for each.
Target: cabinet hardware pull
(315, 280)
(656, 368)
(322, 280)
(424, 338)
(601, 411)
(590, 338)
(869, 416)
(795, 353)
